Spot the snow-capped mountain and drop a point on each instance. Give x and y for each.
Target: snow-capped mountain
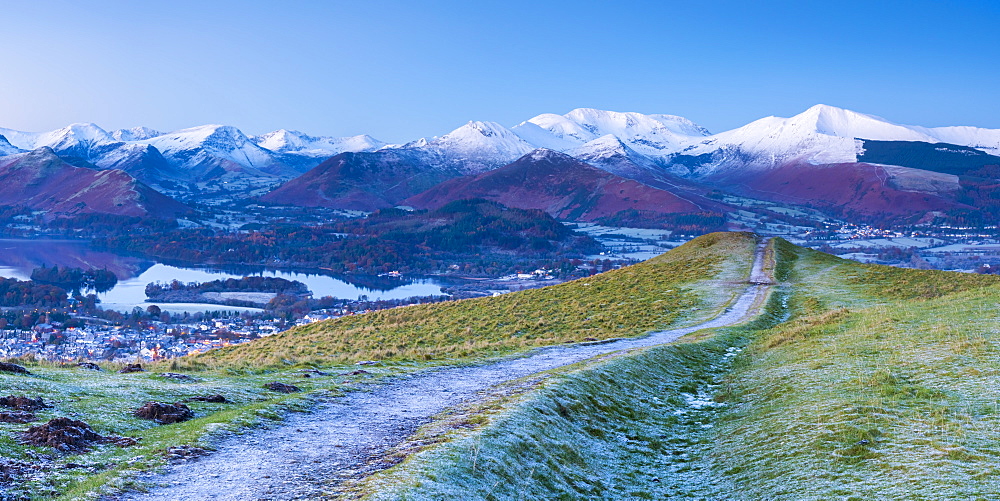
(655, 149)
(142, 161)
(652, 135)
(83, 140)
(610, 153)
(212, 151)
(472, 148)
(383, 178)
(291, 141)
(135, 134)
(195, 154)
(820, 135)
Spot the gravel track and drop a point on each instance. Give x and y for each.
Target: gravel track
(299, 458)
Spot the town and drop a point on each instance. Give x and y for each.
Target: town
(147, 340)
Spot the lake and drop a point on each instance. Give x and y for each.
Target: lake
(19, 257)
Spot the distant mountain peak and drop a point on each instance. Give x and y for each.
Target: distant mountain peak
(293, 141)
(135, 134)
(654, 135)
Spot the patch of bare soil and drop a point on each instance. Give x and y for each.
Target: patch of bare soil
(282, 387)
(215, 399)
(23, 403)
(17, 417)
(164, 413)
(69, 435)
(13, 368)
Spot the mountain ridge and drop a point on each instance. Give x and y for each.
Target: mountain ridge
(48, 183)
(767, 159)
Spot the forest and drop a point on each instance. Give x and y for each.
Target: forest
(478, 236)
(14, 292)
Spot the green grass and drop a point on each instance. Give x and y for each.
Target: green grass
(613, 428)
(860, 382)
(885, 386)
(608, 432)
(680, 286)
(686, 285)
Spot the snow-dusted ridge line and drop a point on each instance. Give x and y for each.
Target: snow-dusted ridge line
(826, 135)
(185, 147)
(821, 134)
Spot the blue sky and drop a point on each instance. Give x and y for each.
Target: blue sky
(401, 70)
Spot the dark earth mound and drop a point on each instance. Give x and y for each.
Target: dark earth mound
(215, 399)
(282, 387)
(23, 403)
(69, 435)
(17, 417)
(13, 368)
(132, 368)
(164, 413)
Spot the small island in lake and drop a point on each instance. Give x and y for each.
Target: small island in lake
(246, 291)
(75, 278)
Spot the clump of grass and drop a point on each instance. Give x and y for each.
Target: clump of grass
(682, 285)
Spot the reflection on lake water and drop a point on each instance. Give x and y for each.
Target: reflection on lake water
(19, 257)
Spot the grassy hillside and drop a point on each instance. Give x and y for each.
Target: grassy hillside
(877, 383)
(634, 427)
(683, 285)
(686, 285)
(884, 387)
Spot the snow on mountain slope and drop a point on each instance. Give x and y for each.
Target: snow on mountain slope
(204, 150)
(987, 140)
(74, 140)
(472, 148)
(291, 141)
(652, 135)
(624, 143)
(611, 154)
(820, 135)
(8, 149)
(488, 140)
(142, 161)
(135, 134)
(554, 132)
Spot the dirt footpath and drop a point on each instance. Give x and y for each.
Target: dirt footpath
(299, 458)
